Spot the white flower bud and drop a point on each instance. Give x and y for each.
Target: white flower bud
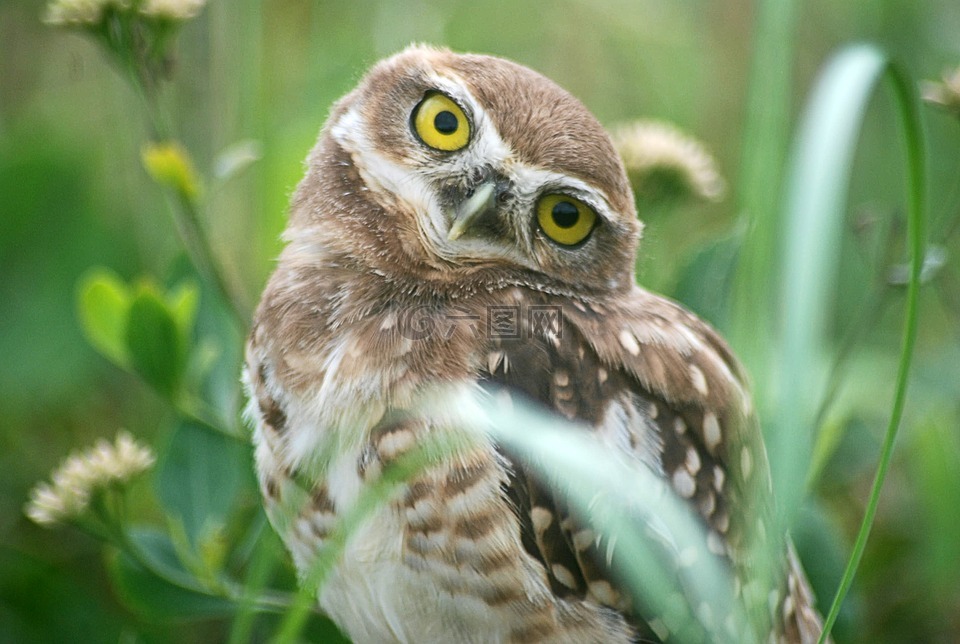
(81, 474)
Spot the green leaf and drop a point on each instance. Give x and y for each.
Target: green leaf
(159, 553)
(199, 478)
(103, 305)
(154, 342)
(706, 282)
(158, 587)
(183, 302)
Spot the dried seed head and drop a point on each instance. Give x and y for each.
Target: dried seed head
(662, 162)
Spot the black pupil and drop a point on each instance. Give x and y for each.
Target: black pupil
(565, 214)
(445, 122)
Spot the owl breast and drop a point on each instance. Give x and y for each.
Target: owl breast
(444, 559)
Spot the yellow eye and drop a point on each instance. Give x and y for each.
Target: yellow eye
(564, 219)
(440, 123)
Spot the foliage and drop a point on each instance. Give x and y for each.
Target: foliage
(188, 552)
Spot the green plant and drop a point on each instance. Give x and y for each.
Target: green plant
(193, 569)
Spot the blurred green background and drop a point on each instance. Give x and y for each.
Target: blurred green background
(73, 196)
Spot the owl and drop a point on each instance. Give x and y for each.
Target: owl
(464, 221)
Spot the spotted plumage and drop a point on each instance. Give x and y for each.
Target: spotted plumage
(464, 222)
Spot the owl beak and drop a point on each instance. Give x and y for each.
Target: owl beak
(470, 209)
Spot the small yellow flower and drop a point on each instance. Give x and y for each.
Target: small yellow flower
(170, 165)
(662, 162)
(172, 9)
(81, 474)
(946, 93)
(80, 13)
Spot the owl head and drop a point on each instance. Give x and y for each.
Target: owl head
(465, 172)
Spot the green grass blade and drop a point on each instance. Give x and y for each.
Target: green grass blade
(814, 212)
(373, 497)
(644, 533)
(632, 508)
(909, 113)
(766, 132)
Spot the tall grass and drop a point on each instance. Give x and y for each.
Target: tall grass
(820, 173)
(786, 283)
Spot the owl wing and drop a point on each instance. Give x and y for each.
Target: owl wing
(658, 383)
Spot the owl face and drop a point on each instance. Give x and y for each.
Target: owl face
(481, 170)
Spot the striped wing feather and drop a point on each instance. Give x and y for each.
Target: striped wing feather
(656, 381)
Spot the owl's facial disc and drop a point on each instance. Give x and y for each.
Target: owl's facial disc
(478, 168)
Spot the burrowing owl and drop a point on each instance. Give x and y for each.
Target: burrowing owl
(465, 220)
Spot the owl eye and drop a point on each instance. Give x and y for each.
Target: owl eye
(565, 220)
(440, 123)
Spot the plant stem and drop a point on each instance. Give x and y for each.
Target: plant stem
(185, 209)
(195, 239)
